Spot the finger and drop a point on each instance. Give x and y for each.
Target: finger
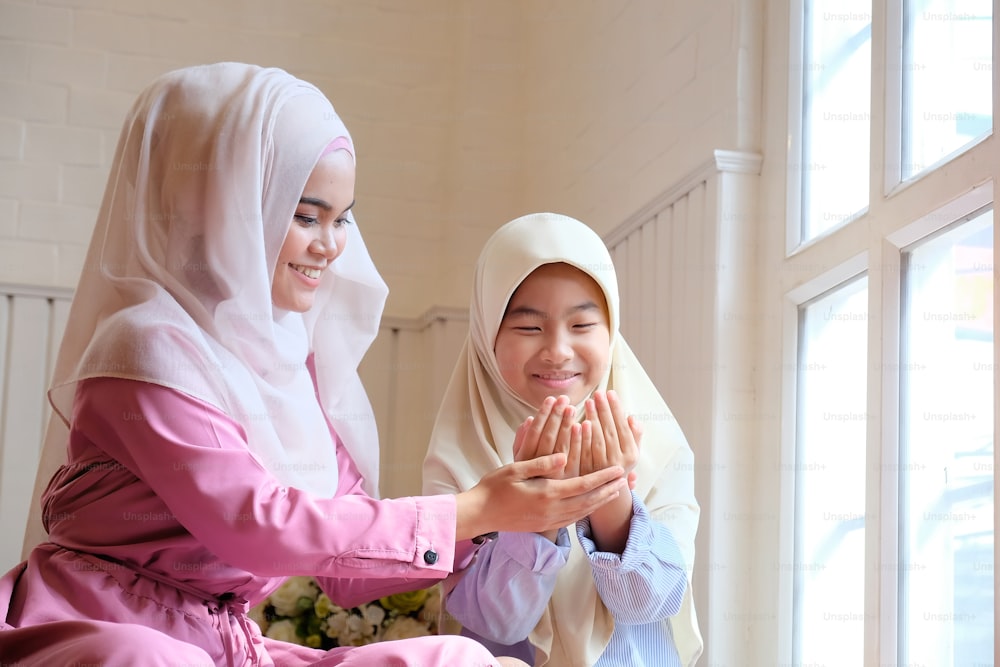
(584, 484)
(562, 443)
(609, 429)
(575, 508)
(633, 477)
(637, 429)
(573, 458)
(621, 420)
(630, 445)
(542, 416)
(519, 436)
(541, 466)
(532, 438)
(586, 447)
(549, 435)
(599, 455)
(590, 413)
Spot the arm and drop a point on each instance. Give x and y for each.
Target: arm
(503, 594)
(647, 581)
(195, 459)
(353, 591)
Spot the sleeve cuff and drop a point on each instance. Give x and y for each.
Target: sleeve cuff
(640, 537)
(434, 537)
(533, 552)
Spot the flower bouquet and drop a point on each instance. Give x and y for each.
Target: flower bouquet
(300, 613)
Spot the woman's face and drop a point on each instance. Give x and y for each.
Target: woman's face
(554, 337)
(317, 233)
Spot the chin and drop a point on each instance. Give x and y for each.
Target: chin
(295, 305)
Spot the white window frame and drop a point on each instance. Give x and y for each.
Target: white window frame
(900, 213)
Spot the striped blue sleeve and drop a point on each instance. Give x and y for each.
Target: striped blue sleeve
(647, 581)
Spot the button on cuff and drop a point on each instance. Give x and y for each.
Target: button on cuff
(430, 557)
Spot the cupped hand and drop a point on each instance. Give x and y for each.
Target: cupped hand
(609, 437)
(553, 429)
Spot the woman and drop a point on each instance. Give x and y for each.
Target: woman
(213, 433)
(544, 353)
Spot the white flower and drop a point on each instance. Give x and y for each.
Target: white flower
(283, 631)
(374, 614)
(432, 608)
(336, 623)
(405, 627)
(286, 598)
(357, 630)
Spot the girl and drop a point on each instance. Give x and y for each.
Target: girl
(544, 353)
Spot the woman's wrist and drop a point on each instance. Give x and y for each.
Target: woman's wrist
(470, 515)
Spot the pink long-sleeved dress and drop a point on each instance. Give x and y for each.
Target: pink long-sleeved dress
(164, 529)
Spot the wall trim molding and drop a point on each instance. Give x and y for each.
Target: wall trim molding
(739, 162)
(428, 318)
(722, 161)
(12, 289)
(687, 183)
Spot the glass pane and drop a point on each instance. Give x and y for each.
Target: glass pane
(946, 455)
(947, 78)
(836, 113)
(830, 479)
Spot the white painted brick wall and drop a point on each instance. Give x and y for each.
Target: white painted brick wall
(11, 139)
(35, 23)
(465, 114)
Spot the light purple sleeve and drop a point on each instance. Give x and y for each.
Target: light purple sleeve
(646, 582)
(195, 458)
(503, 593)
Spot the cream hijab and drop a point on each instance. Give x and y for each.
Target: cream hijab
(176, 289)
(474, 431)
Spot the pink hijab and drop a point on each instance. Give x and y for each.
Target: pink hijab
(176, 289)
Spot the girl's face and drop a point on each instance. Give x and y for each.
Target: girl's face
(554, 337)
(317, 234)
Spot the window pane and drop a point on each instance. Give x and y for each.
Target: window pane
(946, 458)
(947, 78)
(830, 479)
(836, 113)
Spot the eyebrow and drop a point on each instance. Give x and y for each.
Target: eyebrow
(323, 204)
(529, 311)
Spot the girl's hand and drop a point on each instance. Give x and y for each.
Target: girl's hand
(609, 436)
(552, 430)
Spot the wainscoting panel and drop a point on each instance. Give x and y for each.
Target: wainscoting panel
(31, 326)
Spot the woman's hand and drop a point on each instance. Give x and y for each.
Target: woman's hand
(529, 496)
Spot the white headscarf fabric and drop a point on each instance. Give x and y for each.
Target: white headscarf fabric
(474, 431)
(176, 289)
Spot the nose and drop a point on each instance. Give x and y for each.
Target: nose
(558, 348)
(325, 243)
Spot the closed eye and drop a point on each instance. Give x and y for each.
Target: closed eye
(306, 220)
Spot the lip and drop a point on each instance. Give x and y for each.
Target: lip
(312, 282)
(556, 383)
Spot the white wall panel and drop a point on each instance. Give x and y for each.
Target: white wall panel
(31, 324)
